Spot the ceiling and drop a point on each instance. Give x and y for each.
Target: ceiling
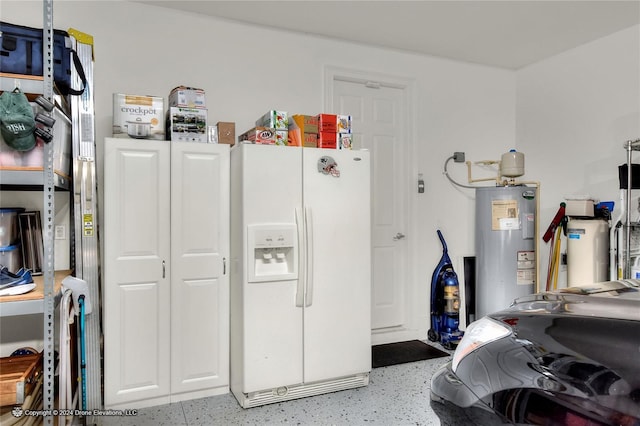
(507, 34)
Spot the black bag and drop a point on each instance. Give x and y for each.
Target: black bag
(21, 53)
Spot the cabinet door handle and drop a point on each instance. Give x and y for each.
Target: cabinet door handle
(164, 269)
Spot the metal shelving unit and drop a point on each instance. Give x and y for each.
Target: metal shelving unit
(34, 304)
(48, 393)
(23, 307)
(27, 85)
(46, 181)
(629, 146)
(25, 180)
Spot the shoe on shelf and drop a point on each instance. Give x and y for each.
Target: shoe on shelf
(17, 289)
(9, 279)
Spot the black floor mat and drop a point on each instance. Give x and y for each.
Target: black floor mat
(402, 352)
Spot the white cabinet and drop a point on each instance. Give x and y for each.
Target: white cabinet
(165, 282)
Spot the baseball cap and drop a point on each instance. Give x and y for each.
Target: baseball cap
(16, 121)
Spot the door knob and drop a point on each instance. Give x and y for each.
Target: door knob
(398, 236)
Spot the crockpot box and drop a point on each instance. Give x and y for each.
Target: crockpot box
(138, 116)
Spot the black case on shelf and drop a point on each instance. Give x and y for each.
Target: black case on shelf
(21, 53)
(635, 176)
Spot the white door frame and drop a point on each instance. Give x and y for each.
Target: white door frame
(412, 328)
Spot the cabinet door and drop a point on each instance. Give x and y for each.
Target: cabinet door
(199, 273)
(136, 277)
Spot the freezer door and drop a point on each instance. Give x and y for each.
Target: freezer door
(271, 329)
(337, 313)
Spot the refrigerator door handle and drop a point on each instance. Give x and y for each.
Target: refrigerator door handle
(301, 259)
(308, 224)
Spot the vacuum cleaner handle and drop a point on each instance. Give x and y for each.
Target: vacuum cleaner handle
(444, 244)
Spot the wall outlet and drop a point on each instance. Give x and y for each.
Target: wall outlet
(60, 232)
(458, 157)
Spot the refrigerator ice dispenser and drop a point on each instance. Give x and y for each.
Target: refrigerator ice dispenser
(272, 252)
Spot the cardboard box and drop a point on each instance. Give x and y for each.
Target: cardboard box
(259, 134)
(294, 136)
(580, 207)
(282, 137)
(212, 134)
(327, 140)
(187, 124)
(344, 123)
(327, 123)
(226, 132)
(310, 140)
(187, 97)
(345, 140)
(278, 120)
(306, 123)
(138, 117)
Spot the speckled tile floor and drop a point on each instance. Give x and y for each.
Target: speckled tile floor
(396, 395)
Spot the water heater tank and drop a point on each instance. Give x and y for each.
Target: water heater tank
(587, 251)
(505, 246)
(512, 164)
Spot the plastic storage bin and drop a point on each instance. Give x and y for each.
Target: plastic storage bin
(9, 233)
(11, 257)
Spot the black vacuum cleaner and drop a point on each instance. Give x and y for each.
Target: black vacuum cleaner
(445, 302)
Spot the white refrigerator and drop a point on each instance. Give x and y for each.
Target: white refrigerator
(300, 272)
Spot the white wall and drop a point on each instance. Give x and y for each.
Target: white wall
(574, 113)
(246, 71)
(569, 114)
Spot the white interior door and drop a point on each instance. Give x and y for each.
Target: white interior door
(199, 279)
(377, 112)
(135, 288)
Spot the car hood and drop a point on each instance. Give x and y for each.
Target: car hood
(582, 343)
(609, 299)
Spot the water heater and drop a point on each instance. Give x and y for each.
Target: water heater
(587, 251)
(505, 246)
